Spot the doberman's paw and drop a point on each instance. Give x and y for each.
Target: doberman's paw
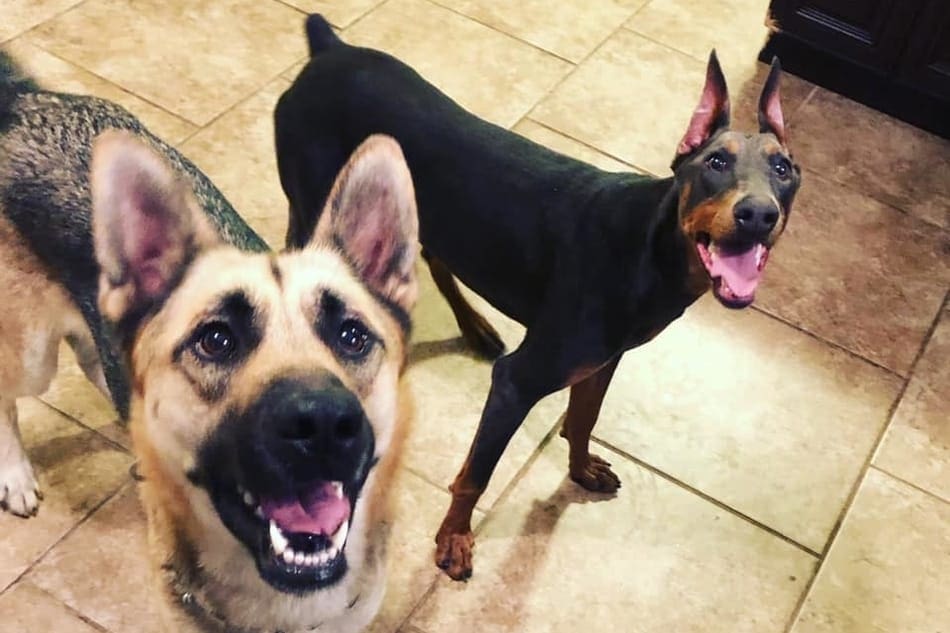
(596, 475)
(482, 337)
(453, 554)
(19, 492)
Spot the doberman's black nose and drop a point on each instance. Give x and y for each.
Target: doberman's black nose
(755, 217)
(320, 419)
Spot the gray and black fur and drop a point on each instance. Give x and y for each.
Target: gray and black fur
(45, 144)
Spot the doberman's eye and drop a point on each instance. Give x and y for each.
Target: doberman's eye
(717, 162)
(781, 168)
(215, 342)
(354, 339)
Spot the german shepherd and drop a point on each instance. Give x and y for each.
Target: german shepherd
(265, 398)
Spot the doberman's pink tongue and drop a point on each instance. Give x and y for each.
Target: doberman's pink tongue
(740, 271)
(317, 511)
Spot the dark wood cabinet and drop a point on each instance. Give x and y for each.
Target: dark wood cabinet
(893, 55)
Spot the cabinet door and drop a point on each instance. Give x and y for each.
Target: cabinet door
(926, 64)
(870, 32)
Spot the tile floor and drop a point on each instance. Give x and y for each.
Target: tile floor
(786, 468)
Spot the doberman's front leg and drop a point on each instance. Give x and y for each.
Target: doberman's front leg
(516, 387)
(590, 471)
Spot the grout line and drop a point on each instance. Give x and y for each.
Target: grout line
(51, 18)
(36, 561)
(826, 342)
(363, 16)
(76, 612)
(240, 101)
(910, 484)
(88, 427)
(501, 32)
(115, 85)
(859, 481)
(706, 497)
(588, 145)
(834, 181)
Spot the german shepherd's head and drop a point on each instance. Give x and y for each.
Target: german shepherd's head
(267, 413)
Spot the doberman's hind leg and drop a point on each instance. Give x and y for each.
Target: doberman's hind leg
(476, 330)
(589, 471)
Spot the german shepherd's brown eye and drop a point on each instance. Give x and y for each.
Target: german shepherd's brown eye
(215, 342)
(354, 339)
(717, 162)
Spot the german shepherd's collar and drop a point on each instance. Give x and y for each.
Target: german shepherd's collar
(265, 398)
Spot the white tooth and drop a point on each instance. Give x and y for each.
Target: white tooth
(339, 539)
(258, 512)
(337, 488)
(331, 553)
(298, 558)
(323, 558)
(277, 539)
(248, 499)
(289, 556)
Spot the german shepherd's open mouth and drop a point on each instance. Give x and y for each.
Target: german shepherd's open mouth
(289, 496)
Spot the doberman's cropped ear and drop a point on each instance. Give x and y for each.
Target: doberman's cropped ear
(770, 106)
(371, 216)
(711, 114)
(147, 226)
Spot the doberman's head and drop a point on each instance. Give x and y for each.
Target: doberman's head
(735, 189)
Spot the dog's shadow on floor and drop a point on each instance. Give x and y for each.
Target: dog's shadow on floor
(531, 547)
(423, 351)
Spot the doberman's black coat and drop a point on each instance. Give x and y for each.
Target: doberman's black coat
(592, 263)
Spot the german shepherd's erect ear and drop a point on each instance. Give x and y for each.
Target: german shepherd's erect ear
(370, 215)
(147, 226)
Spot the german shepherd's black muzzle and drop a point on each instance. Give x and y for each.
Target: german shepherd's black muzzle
(285, 474)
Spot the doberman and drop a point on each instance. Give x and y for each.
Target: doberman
(592, 263)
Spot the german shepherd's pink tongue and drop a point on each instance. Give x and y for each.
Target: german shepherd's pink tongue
(740, 272)
(320, 510)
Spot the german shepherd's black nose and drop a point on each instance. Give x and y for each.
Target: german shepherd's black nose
(755, 217)
(315, 417)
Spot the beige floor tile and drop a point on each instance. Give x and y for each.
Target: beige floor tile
(565, 145)
(633, 98)
(339, 13)
(77, 470)
(859, 273)
(758, 415)
(875, 155)
(552, 558)
(26, 609)
(570, 29)
(20, 15)
(101, 570)
(888, 570)
(491, 74)
(195, 59)
(56, 74)
(736, 29)
(917, 446)
(419, 507)
(248, 178)
(449, 387)
(71, 393)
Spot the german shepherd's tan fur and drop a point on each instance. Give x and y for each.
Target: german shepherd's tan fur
(202, 371)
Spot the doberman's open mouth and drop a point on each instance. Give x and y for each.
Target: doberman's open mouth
(734, 270)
